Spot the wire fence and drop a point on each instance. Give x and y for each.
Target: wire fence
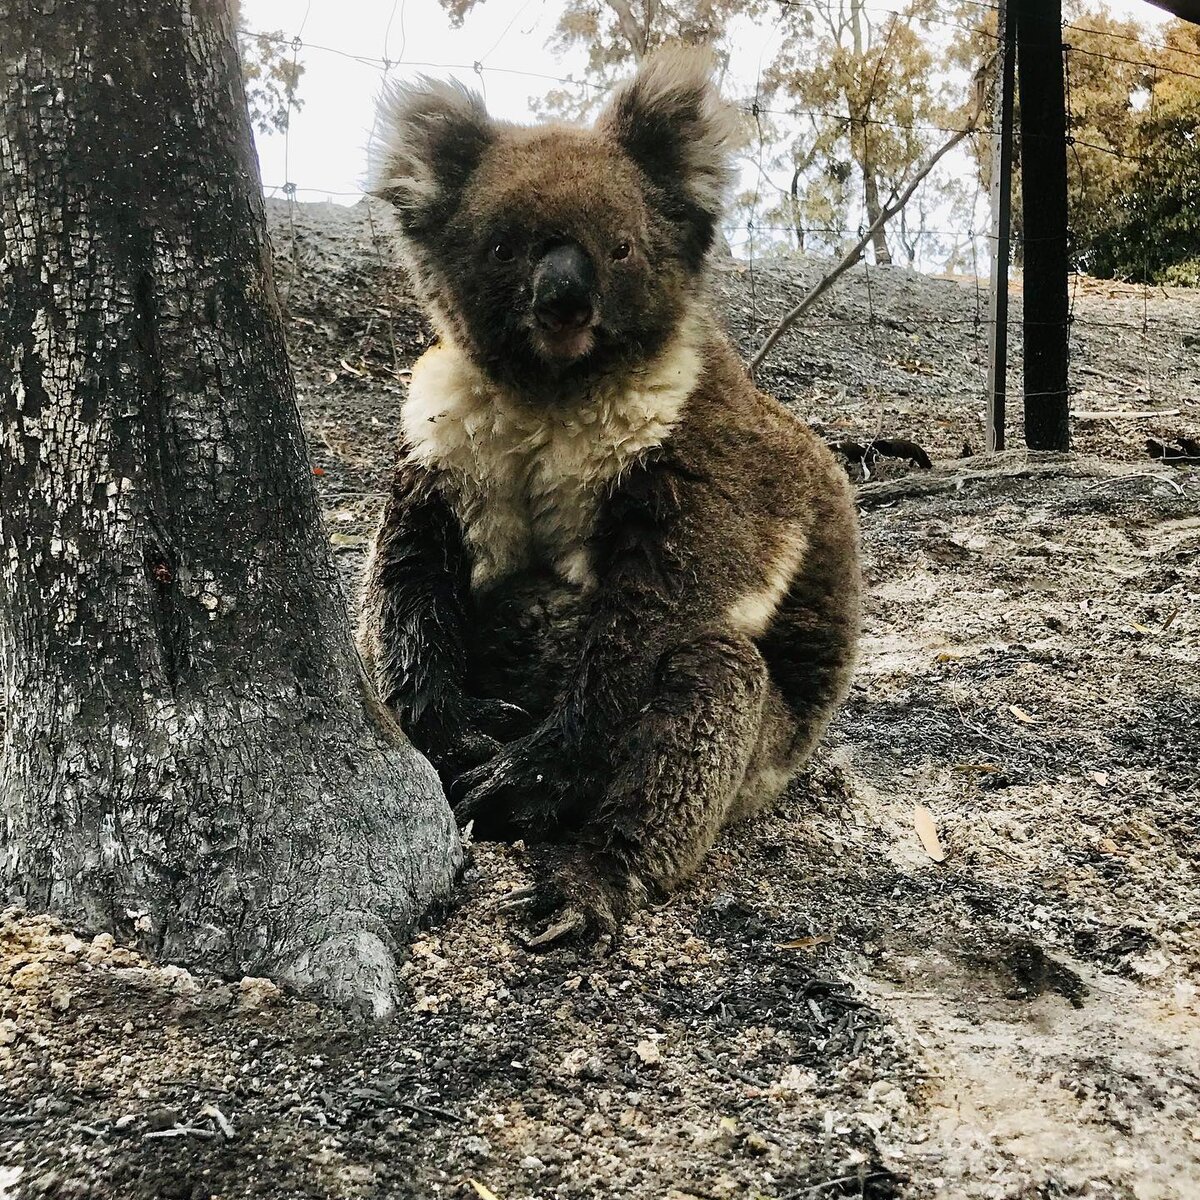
(901, 348)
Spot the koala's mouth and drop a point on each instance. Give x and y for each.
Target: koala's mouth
(564, 345)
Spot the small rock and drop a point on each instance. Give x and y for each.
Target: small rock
(60, 999)
(161, 1118)
(179, 980)
(574, 1062)
(8, 1032)
(46, 1184)
(101, 948)
(648, 1052)
(258, 993)
(532, 1163)
(30, 976)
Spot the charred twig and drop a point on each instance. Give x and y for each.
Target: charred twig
(222, 1121)
(181, 1131)
(869, 454)
(427, 1111)
(842, 1180)
(1181, 450)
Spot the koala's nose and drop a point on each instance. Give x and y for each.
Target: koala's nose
(562, 289)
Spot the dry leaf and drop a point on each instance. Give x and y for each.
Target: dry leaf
(1139, 628)
(927, 832)
(482, 1190)
(1101, 777)
(1108, 846)
(970, 768)
(1021, 715)
(805, 943)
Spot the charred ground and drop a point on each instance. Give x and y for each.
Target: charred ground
(826, 1011)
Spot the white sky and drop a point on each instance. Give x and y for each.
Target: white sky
(325, 151)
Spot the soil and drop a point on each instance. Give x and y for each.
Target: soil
(828, 1010)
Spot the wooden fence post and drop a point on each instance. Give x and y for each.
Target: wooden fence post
(1001, 225)
(1044, 222)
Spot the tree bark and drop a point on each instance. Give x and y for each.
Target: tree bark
(192, 755)
(859, 24)
(636, 36)
(797, 223)
(874, 207)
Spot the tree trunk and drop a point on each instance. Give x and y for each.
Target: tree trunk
(192, 755)
(797, 223)
(860, 114)
(883, 256)
(637, 37)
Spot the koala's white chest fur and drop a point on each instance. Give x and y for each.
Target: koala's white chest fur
(526, 480)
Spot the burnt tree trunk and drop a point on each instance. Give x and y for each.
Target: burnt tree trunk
(192, 756)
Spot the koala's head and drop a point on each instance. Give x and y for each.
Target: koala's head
(556, 252)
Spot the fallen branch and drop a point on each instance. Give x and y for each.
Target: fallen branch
(1122, 414)
(178, 1131)
(867, 456)
(855, 254)
(1178, 451)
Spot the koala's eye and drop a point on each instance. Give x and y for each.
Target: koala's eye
(502, 252)
(621, 251)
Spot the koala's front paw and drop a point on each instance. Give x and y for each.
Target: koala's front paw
(469, 732)
(578, 899)
(517, 793)
(497, 718)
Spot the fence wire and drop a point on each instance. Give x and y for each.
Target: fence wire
(898, 325)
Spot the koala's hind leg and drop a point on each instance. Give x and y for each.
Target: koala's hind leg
(682, 764)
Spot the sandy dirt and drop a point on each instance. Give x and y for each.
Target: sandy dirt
(827, 1011)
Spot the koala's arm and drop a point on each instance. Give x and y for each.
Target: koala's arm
(411, 632)
(659, 587)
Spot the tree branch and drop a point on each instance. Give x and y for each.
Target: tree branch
(856, 253)
(628, 25)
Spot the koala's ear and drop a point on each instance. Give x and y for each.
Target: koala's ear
(670, 119)
(430, 137)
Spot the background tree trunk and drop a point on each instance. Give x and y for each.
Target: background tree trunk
(192, 755)
(883, 255)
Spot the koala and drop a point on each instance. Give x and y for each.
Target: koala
(614, 594)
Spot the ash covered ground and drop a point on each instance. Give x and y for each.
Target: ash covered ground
(826, 1011)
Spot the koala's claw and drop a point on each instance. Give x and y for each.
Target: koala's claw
(500, 720)
(515, 794)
